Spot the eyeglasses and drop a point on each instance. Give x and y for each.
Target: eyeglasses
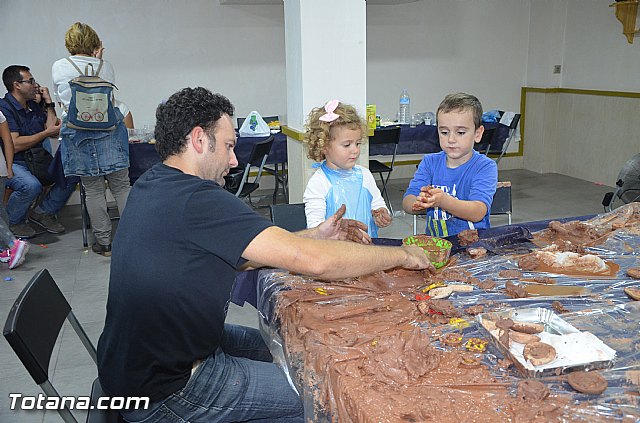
(31, 81)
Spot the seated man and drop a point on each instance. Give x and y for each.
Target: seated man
(165, 337)
(30, 126)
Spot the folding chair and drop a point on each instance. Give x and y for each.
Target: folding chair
(493, 142)
(32, 327)
(289, 216)
(500, 205)
(385, 136)
(485, 142)
(237, 181)
(502, 200)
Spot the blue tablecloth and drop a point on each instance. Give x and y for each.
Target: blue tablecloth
(422, 139)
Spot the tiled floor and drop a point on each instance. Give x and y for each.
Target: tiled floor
(83, 277)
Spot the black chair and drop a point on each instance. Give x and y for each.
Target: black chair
(267, 119)
(385, 136)
(289, 216)
(485, 142)
(493, 141)
(500, 205)
(237, 181)
(32, 328)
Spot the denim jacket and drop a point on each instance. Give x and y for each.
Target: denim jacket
(94, 153)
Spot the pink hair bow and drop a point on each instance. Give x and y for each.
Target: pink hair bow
(330, 107)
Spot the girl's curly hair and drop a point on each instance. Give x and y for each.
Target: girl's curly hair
(318, 133)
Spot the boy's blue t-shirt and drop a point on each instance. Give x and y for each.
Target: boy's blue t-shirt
(473, 181)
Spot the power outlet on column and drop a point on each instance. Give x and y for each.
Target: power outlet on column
(557, 68)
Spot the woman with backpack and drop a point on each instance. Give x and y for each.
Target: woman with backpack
(95, 153)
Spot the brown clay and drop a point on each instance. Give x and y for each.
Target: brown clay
(539, 353)
(527, 327)
(587, 382)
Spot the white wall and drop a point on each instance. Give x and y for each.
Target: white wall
(434, 47)
(159, 46)
(430, 47)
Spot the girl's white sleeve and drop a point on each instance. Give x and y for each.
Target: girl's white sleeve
(315, 199)
(370, 184)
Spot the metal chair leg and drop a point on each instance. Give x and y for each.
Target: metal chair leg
(385, 194)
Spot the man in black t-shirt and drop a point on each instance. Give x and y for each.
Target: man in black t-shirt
(179, 242)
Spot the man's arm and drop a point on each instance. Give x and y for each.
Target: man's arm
(329, 259)
(25, 142)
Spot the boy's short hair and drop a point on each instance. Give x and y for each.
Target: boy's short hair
(462, 102)
(318, 133)
(81, 39)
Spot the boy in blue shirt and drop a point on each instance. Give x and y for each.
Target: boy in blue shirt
(454, 187)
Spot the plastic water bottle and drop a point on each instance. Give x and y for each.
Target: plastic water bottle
(405, 107)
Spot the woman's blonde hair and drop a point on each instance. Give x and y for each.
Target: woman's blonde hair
(318, 133)
(81, 39)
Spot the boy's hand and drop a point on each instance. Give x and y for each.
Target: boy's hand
(382, 217)
(423, 200)
(335, 227)
(9, 172)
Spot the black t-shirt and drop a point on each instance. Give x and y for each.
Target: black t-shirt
(176, 249)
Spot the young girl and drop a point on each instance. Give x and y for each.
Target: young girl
(334, 135)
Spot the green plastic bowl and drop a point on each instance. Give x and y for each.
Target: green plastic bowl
(437, 249)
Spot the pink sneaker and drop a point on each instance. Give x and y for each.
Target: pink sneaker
(4, 256)
(17, 253)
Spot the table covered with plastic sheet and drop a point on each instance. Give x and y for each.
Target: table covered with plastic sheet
(376, 348)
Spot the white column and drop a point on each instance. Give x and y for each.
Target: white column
(325, 59)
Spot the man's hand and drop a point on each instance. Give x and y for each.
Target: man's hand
(382, 217)
(335, 227)
(417, 259)
(53, 130)
(44, 92)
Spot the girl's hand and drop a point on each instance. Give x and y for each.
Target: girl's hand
(382, 217)
(9, 172)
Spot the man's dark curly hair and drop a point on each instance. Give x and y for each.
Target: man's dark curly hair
(183, 111)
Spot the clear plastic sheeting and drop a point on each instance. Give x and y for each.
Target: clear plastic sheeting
(376, 348)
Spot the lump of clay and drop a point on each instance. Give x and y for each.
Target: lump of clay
(539, 353)
(587, 382)
(477, 252)
(529, 262)
(634, 272)
(468, 237)
(633, 292)
(523, 338)
(527, 327)
(514, 291)
(532, 390)
(510, 274)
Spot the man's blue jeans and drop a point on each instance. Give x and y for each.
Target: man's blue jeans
(236, 383)
(26, 188)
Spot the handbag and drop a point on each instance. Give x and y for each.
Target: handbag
(38, 161)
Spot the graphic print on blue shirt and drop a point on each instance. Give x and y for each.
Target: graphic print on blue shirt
(347, 188)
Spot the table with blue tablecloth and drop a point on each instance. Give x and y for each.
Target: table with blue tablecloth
(421, 139)
(330, 336)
